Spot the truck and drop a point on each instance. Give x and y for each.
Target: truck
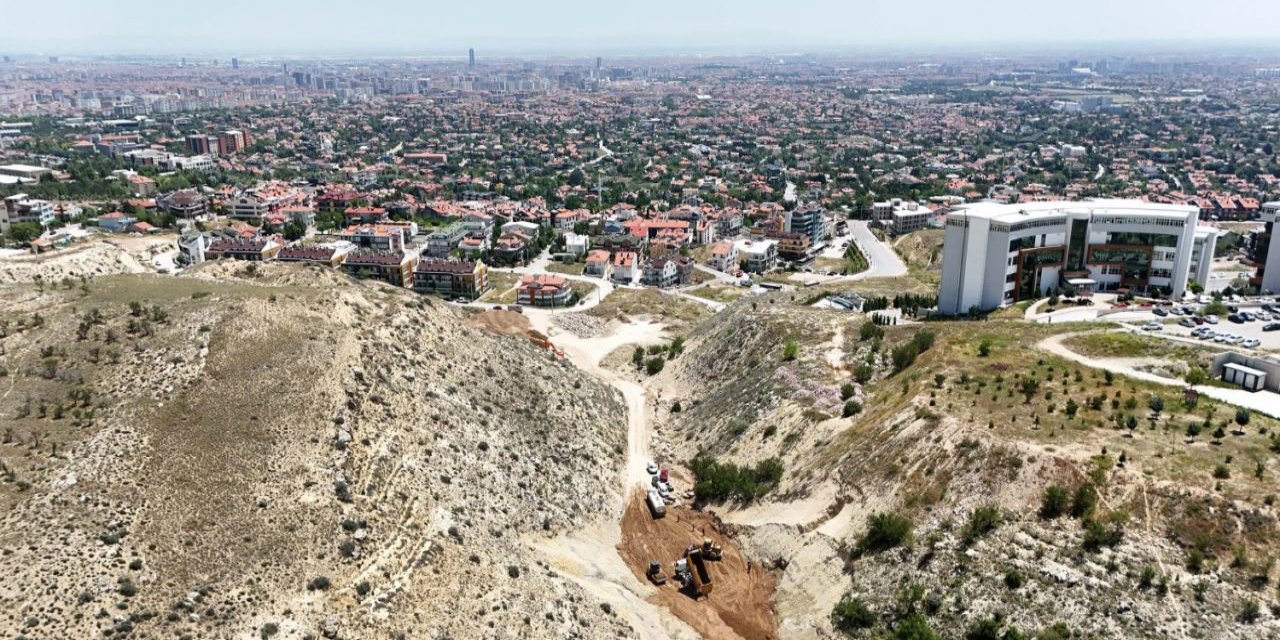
(656, 505)
(699, 577)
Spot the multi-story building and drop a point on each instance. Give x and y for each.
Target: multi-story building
(19, 209)
(758, 256)
(1266, 251)
(253, 249)
(544, 290)
(463, 278)
(899, 217)
(392, 267)
(660, 272)
(249, 208)
(724, 256)
(809, 220)
(187, 203)
(375, 237)
(997, 254)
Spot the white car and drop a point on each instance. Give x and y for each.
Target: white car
(1152, 326)
(1235, 339)
(1251, 343)
(1220, 338)
(1211, 319)
(652, 468)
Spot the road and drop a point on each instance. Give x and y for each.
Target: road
(1261, 401)
(883, 260)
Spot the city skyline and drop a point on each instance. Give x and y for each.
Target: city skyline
(663, 26)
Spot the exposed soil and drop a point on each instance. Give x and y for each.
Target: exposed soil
(506, 323)
(740, 606)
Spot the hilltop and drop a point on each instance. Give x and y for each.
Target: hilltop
(258, 450)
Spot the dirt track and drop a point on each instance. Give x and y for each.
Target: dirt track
(740, 605)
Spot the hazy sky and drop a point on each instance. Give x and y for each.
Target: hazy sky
(246, 27)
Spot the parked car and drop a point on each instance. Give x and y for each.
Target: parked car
(1211, 319)
(1235, 317)
(1152, 326)
(1198, 320)
(1186, 322)
(651, 468)
(1251, 343)
(1160, 312)
(1246, 316)
(1271, 326)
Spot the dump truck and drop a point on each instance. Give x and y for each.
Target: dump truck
(699, 578)
(657, 506)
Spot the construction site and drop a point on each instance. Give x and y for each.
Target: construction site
(700, 575)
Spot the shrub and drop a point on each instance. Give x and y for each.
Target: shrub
(654, 365)
(1195, 561)
(790, 350)
(885, 531)
(318, 583)
(1250, 611)
(851, 408)
(847, 390)
(863, 373)
(870, 331)
(1098, 535)
(718, 481)
(982, 521)
(1221, 472)
(1147, 577)
(984, 348)
(852, 614)
(1196, 375)
(1013, 579)
(1055, 502)
(1084, 501)
(915, 627)
(1071, 408)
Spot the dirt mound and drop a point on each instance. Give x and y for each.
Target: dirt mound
(740, 603)
(197, 457)
(503, 323)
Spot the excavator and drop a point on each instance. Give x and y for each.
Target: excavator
(710, 550)
(654, 574)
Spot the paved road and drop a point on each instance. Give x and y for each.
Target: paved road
(884, 261)
(1261, 401)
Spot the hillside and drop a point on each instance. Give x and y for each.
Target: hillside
(280, 452)
(1174, 533)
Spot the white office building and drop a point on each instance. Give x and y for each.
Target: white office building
(1267, 252)
(997, 254)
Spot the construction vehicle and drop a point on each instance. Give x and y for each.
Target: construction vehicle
(654, 574)
(657, 506)
(711, 550)
(699, 581)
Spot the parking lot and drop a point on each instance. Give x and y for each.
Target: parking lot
(1173, 326)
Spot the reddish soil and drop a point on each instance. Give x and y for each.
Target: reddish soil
(740, 605)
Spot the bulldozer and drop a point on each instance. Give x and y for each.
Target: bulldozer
(711, 550)
(654, 573)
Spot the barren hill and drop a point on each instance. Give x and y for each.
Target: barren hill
(242, 455)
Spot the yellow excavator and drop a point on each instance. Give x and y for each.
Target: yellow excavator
(710, 550)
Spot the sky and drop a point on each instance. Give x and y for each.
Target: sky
(432, 27)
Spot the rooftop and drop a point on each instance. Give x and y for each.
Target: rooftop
(1014, 213)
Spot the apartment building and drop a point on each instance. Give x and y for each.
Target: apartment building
(998, 254)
